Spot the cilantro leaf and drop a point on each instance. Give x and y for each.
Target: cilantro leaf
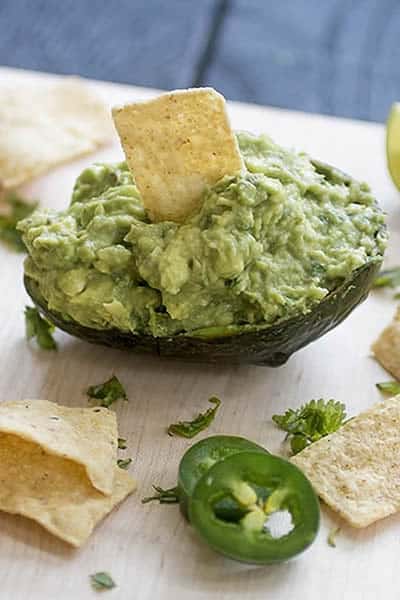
(108, 392)
(389, 387)
(122, 445)
(388, 278)
(16, 210)
(189, 429)
(39, 328)
(311, 422)
(168, 496)
(124, 463)
(102, 581)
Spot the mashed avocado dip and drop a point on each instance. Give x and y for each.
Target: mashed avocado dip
(265, 245)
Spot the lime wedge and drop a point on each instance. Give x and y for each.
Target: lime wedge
(393, 143)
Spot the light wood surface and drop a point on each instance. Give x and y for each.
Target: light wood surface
(150, 550)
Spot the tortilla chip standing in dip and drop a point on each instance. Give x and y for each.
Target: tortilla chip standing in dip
(176, 145)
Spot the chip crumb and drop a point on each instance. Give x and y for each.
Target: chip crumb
(176, 145)
(356, 470)
(332, 536)
(386, 348)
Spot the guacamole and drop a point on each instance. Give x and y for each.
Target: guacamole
(266, 245)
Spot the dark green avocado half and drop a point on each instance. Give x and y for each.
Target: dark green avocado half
(270, 346)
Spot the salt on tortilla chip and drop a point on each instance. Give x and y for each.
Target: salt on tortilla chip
(47, 124)
(356, 470)
(87, 436)
(386, 349)
(176, 145)
(54, 491)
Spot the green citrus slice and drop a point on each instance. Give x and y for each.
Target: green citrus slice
(393, 143)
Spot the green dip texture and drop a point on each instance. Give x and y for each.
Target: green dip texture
(265, 245)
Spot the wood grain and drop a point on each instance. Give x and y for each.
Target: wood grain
(150, 550)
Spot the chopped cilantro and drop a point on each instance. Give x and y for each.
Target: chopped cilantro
(39, 328)
(16, 210)
(311, 422)
(124, 463)
(389, 387)
(102, 581)
(122, 444)
(189, 429)
(107, 392)
(388, 278)
(169, 496)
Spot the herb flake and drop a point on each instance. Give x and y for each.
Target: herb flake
(189, 429)
(168, 496)
(108, 392)
(389, 387)
(122, 445)
(311, 422)
(39, 328)
(388, 278)
(124, 463)
(16, 210)
(102, 581)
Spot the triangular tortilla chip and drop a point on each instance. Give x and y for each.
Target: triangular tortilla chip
(176, 145)
(87, 436)
(387, 347)
(54, 491)
(356, 470)
(47, 124)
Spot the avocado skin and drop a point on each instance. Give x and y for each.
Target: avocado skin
(271, 346)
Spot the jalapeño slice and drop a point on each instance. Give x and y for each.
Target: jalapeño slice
(200, 458)
(240, 477)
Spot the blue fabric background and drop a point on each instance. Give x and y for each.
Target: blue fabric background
(338, 57)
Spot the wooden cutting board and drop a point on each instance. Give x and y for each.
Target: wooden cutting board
(151, 552)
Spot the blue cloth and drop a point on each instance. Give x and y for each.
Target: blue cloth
(337, 57)
(156, 43)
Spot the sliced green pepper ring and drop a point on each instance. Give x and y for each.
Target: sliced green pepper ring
(200, 458)
(249, 539)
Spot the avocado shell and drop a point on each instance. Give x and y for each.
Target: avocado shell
(270, 346)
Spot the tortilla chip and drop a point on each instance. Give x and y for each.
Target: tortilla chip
(46, 124)
(356, 470)
(87, 436)
(54, 491)
(387, 347)
(175, 146)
